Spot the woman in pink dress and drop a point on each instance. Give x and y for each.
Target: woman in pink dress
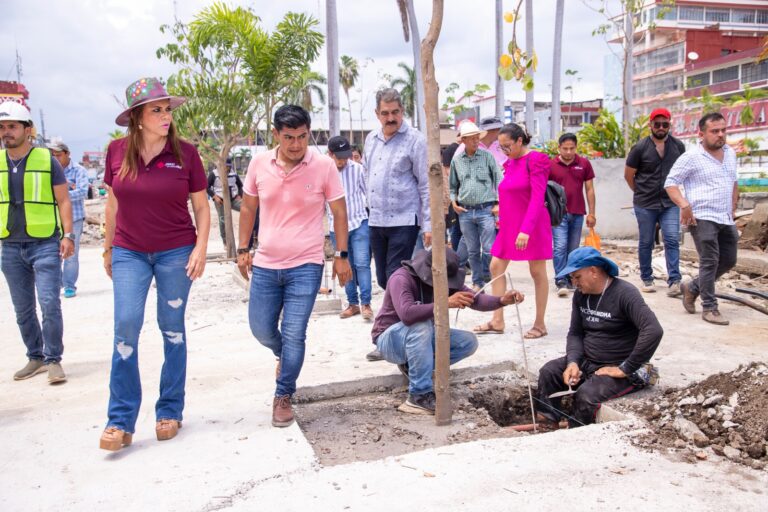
(525, 233)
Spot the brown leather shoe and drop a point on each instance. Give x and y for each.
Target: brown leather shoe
(713, 316)
(113, 439)
(167, 429)
(282, 412)
(689, 298)
(352, 310)
(367, 312)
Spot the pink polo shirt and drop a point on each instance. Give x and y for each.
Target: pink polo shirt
(291, 207)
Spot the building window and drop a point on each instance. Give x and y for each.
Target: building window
(762, 18)
(661, 58)
(725, 74)
(691, 13)
(655, 85)
(665, 13)
(742, 16)
(699, 80)
(718, 15)
(754, 72)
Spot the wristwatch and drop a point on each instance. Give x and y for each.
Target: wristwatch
(341, 254)
(71, 236)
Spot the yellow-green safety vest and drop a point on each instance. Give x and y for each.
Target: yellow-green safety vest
(40, 208)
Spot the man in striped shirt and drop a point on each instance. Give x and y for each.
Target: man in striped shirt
(359, 245)
(708, 174)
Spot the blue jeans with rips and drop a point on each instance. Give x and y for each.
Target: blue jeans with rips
(565, 238)
(359, 249)
(478, 228)
(414, 345)
(669, 220)
(132, 274)
(291, 291)
(70, 269)
(30, 266)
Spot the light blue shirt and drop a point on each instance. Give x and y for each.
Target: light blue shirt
(708, 183)
(398, 189)
(353, 179)
(78, 176)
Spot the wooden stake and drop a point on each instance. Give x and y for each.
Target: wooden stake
(443, 408)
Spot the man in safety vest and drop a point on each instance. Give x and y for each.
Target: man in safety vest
(36, 234)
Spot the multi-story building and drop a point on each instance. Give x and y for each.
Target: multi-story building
(672, 41)
(13, 91)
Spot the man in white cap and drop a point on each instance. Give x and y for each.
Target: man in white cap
(77, 185)
(474, 184)
(36, 234)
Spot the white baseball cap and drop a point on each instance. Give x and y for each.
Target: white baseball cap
(12, 111)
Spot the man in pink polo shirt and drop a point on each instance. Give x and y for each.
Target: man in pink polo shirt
(290, 185)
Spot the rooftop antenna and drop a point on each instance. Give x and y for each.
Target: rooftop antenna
(42, 124)
(18, 66)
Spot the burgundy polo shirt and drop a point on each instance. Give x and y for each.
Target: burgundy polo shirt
(152, 213)
(572, 178)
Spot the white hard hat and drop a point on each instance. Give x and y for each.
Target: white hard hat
(12, 111)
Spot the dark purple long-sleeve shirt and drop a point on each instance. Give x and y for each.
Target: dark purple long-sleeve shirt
(403, 302)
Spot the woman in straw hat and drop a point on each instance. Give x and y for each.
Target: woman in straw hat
(150, 175)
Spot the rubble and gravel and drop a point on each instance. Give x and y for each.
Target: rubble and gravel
(725, 415)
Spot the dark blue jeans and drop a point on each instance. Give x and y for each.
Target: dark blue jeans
(669, 220)
(30, 266)
(291, 291)
(390, 246)
(478, 228)
(359, 249)
(132, 274)
(565, 238)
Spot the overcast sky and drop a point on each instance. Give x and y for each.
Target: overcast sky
(78, 54)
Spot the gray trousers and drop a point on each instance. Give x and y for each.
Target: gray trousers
(717, 245)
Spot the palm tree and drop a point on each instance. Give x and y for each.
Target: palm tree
(348, 74)
(116, 134)
(747, 115)
(407, 88)
(308, 86)
(556, 60)
(332, 51)
(709, 102)
(411, 31)
(529, 103)
(499, 50)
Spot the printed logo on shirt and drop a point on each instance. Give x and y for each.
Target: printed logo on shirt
(308, 187)
(594, 316)
(172, 165)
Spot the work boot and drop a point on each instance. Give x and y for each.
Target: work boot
(648, 287)
(282, 413)
(352, 310)
(166, 429)
(56, 373)
(713, 316)
(674, 290)
(423, 403)
(367, 312)
(689, 298)
(374, 355)
(32, 368)
(113, 439)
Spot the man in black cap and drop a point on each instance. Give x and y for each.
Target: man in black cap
(404, 330)
(613, 335)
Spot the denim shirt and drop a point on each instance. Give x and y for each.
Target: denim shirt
(77, 175)
(398, 190)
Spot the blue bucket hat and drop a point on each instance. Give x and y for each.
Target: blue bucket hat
(588, 257)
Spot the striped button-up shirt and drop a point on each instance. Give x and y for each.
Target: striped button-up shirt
(398, 190)
(353, 180)
(475, 179)
(77, 175)
(708, 183)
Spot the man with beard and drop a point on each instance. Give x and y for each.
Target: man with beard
(647, 166)
(708, 174)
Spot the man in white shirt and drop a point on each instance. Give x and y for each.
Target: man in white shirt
(708, 174)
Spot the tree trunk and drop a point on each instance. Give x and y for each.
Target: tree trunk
(499, 51)
(557, 54)
(418, 97)
(443, 409)
(332, 51)
(629, 42)
(529, 103)
(229, 232)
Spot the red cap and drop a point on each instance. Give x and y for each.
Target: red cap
(660, 112)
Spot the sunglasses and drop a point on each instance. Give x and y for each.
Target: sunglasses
(662, 124)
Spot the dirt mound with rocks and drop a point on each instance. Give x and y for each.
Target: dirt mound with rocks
(725, 414)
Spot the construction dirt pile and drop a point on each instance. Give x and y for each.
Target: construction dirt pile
(725, 414)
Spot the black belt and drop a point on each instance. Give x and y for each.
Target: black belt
(477, 206)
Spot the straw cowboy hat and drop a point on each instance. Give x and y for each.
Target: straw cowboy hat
(468, 128)
(143, 91)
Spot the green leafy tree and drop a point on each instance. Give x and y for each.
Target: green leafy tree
(456, 104)
(604, 138)
(348, 75)
(744, 100)
(707, 101)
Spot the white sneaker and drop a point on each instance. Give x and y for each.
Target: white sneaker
(674, 290)
(648, 287)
